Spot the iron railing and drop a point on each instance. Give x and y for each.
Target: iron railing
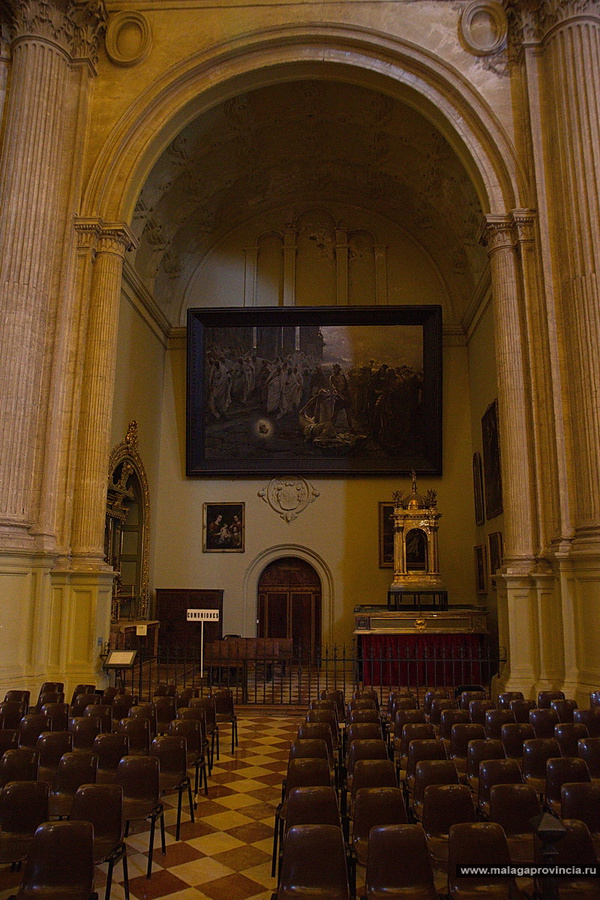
(297, 679)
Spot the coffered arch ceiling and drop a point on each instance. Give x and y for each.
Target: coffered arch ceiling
(306, 141)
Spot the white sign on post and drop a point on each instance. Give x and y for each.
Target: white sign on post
(202, 616)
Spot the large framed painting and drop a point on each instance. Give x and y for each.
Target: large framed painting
(491, 461)
(321, 390)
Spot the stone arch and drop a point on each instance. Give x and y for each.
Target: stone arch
(259, 564)
(343, 53)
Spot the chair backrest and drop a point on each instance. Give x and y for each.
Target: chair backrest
(432, 771)
(505, 698)
(49, 697)
(545, 698)
(9, 739)
(319, 730)
(496, 771)
(20, 696)
(512, 735)
(589, 749)
(80, 701)
(411, 874)
(363, 731)
(485, 843)
(594, 698)
(19, 765)
(307, 772)
(312, 805)
(165, 690)
(208, 705)
(522, 708)
(84, 730)
(30, 728)
(102, 712)
(590, 718)
(314, 748)
(444, 805)
(513, 806)
(575, 848)
(430, 696)
(171, 752)
(109, 694)
(74, 769)
(110, 748)
(376, 773)
(481, 749)
(367, 694)
(368, 749)
(450, 717)
(139, 776)
(145, 711)
(543, 721)
(415, 731)
(404, 717)
(438, 705)
(82, 689)
(536, 752)
(52, 686)
(165, 710)
(51, 745)
(138, 732)
(581, 800)
(376, 806)
(102, 805)
(563, 770)
(364, 715)
(58, 714)
(460, 735)
(466, 697)
(121, 705)
(568, 735)
(191, 730)
(60, 861)
(423, 749)
(495, 719)
(314, 857)
(478, 709)
(23, 807)
(564, 708)
(11, 713)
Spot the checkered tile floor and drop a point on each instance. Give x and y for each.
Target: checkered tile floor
(226, 853)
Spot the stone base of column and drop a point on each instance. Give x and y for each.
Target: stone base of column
(518, 631)
(579, 574)
(53, 624)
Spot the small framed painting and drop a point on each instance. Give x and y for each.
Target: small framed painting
(386, 535)
(496, 551)
(491, 462)
(481, 569)
(224, 528)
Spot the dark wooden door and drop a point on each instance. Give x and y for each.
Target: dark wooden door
(176, 633)
(289, 604)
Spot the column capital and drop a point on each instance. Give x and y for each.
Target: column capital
(115, 238)
(523, 221)
(497, 233)
(531, 20)
(73, 25)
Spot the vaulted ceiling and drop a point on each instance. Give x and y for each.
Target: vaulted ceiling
(314, 141)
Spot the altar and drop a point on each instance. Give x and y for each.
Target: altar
(418, 638)
(422, 646)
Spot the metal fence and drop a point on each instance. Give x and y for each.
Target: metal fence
(298, 679)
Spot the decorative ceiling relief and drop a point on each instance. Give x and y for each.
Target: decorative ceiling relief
(288, 497)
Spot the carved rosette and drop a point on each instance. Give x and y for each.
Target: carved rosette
(531, 20)
(288, 497)
(73, 25)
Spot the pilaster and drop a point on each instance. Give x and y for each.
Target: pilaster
(513, 397)
(89, 501)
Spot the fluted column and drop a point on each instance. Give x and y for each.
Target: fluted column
(97, 397)
(565, 36)
(289, 267)
(513, 396)
(46, 36)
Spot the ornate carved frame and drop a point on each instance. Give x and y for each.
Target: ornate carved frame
(128, 450)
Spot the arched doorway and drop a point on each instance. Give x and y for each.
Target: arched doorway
(289, 604)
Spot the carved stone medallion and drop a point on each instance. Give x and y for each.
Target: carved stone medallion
(288, 496)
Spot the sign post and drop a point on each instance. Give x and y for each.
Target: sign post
(202, 616)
